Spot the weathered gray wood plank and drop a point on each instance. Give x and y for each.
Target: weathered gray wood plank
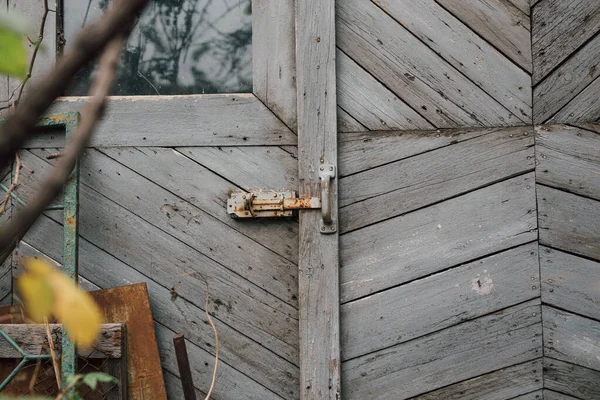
(179, 174)
(568, 158)
(566, 82)
(462, 352)
(230, 383)
(318, 265)
(569, 222)
(32, 338)
(571, 379)
(411, 70)
(359, 151)
(274, 57)
(470, 54)
(439, 301)
(551, 395)
(397, 188)
(347, 123)
(191, 120)
(584, 107)
(501, 24)
(174, 388)
(571, 338)
(558, 29)
(371, 103)
(181, 315)
(570, 282)
(522, 5)
(168, 260)
(188, 223)
(437, 237)
(498, 385)
(6, 281)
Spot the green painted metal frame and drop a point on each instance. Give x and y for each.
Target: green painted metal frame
(70, 207)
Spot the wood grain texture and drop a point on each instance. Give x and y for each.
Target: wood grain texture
(231, 384)
(461, 352)
(181, 314)
(457, 44)
(347, 123)
(571, 338)
(439, 301)
(131, 305)
(199, 185)
(558, 29)
(566, 82)
(190, 120)
(414, 72)
(537, 395)
(274, 57)
(318, 265)
(571, 379)
(151, 251)
(523, 5)
(568, 158)
(438, 237)
(32, 338)
(359, 151)
(498, 385)
(551, 395)
(371, 103)
(501, 24)
(570, 282)
(584, 107)
(400, 187)
(6, 281)
(569, 222)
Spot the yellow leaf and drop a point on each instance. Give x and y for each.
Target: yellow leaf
(73, 307)
(37, 296)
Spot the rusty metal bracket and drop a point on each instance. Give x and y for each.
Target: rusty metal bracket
(268, 204)
(327, 224)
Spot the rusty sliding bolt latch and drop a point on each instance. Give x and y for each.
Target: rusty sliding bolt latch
(268, 204)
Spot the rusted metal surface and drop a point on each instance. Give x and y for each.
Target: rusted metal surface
(183, 363)
(268, 204)
(130, 305)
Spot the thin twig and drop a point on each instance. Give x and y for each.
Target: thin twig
(52, 186)
(34, 377)
(89, 44)
(54, 155)
(13, 186)
(214, 377)
(69, 387)
(52, 352)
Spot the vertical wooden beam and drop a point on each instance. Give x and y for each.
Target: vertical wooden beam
(317, 144)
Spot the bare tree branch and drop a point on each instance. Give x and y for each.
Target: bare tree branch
(17, 128)
(52, 186)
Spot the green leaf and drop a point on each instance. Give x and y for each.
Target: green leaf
(14, 55)
(93, 378)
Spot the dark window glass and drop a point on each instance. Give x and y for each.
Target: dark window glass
(176, 47)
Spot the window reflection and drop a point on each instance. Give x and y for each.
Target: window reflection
(176, 47)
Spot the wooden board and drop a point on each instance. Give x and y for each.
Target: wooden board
(584, 107)
(566, 82)
(570, 282)
(572, 338)
(439, 301)
(191, 120)
(347, 123)
(571, 379)
(551, 395)
(568, 158)
(356, 149)
(451, 355)
(274, 57)
(413, 71)
(569, 222)
(318, 264)
(371, 103)
(438, 237)
(397, 188)
(517, 380)
(181, 315)
(130, 305)
(558, 29)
